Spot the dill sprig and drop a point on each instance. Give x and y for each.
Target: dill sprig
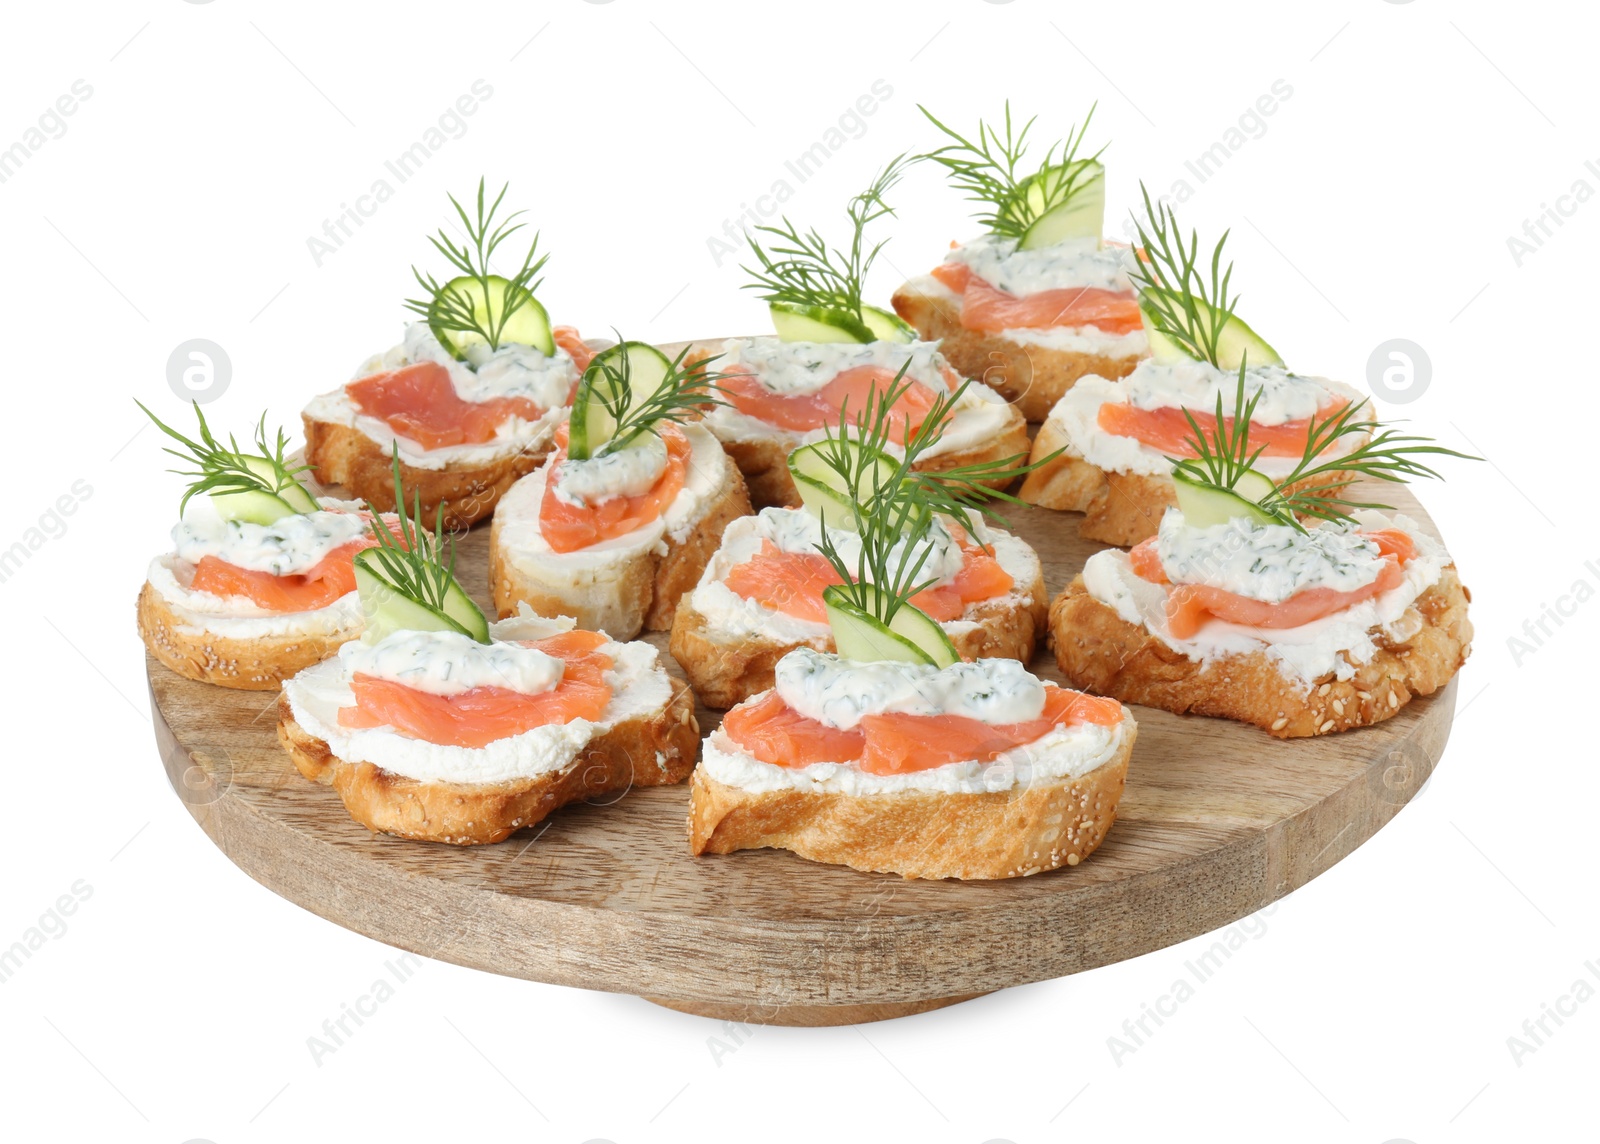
(1316, 485)
(687, 391)
(895, 505)
(801, 269)
(417, 564)
(456, 308)
(227, 469)
(987, 169)
(1184, 305)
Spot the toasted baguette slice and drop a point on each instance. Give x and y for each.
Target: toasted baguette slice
(1031, 377)
(257, 663)
(654, 749)
(1101, 652)
(345, 456)
(727, 667)
(918, 833)
(620, 590)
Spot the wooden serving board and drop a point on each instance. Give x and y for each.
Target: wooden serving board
(1218, 820)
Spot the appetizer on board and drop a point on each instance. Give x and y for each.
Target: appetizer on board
(1039, 299)
(620, 521)
(761, 595)
(259, 582)
(831, 349)
(471, 397)
(1117, 441)
(895, 755)
(440, 726)
(1280, 603)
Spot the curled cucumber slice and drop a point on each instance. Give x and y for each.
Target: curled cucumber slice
(1205, 505)
(1083, 215)
(635, 369)
(823, 491)
(912, 636)
(527, 324)
(1237, 344)
(387, 609)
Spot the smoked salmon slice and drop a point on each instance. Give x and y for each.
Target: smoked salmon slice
(1189, 606)
(568, 338)
(987, 309)
(803, 412)
(1167, 430)
(769, 730)
(330, 578)
(478, 717)
(792, 583)
(568, 527)
(420, 402)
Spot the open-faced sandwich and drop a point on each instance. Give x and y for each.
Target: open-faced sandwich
(440, 726)
(1275, 602)
(762, 594)
(620, 521)
(259, 582)
(1116, 441)
(471, 397)
(892, 753)
(1040, 299)
(783, 392)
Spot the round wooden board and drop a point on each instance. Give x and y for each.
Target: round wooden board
(1218, 820)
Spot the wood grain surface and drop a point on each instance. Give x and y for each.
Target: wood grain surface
(1218, 820)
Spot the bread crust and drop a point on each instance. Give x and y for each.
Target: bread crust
(724, 672)
(345, 456)
(479, 813)
(918, 834)
(1032, 378)
(257, 664)
(765, 462)
(1101, 652)
(641, 592)
(1118, 508)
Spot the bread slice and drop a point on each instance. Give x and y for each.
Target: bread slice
(656, 749)
(765, 461)
(635, 589)
(259, 663)
(727, 667)
(1101, 652)
(345, 456)
(918, 833)
(1031, 377)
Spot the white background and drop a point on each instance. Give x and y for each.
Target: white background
(1377, 1002)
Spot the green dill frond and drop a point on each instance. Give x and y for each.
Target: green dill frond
(228, 469)
(989, 168)
(687, 392)
(1181, 300)
(455, 308)
(801, 269)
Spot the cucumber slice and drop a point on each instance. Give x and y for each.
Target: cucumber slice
(1081, 216)
(1236, 345)
(640, 367)
(1203, 505)
(387, 610)
(796, 323)
(528, 324)
(912, 636)
(252, 506)
(887, 327)
(823, 491)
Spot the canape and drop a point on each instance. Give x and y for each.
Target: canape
(1039, 300)
(441, 727)
(622, 518)
(1116, 440)
(893, 754)
(1238, 608)
(830, 350)
(761, 595)
(259, 582)
(471, 397)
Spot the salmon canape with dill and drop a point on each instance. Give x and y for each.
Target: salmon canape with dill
(472, 395)
(260, 581)
(1040, 299)
(831, 349)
